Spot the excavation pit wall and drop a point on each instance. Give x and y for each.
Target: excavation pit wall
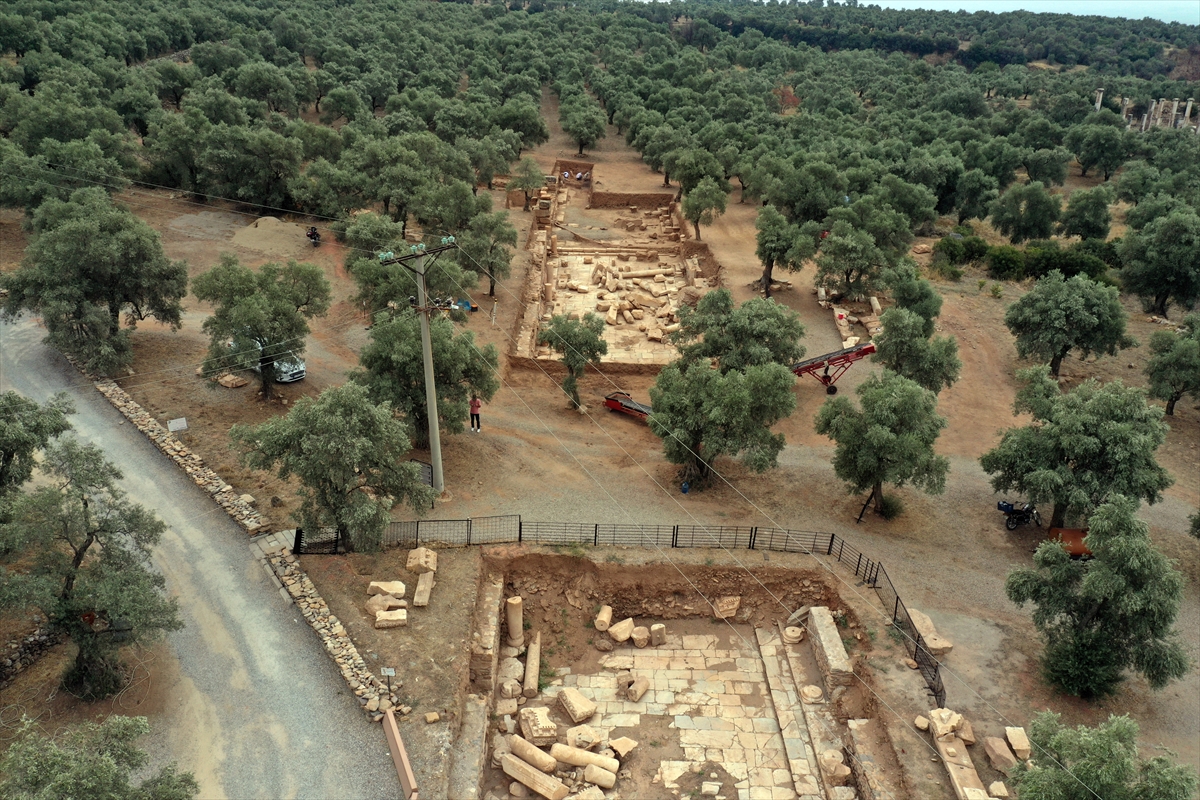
(560, 596)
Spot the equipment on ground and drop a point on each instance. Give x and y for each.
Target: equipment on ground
(623, 403)
(314, 236)
(831, 366)
(1018, 516)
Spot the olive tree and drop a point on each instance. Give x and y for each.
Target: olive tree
(580, 342)
(1174, 368)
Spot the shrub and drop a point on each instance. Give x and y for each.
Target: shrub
(974, 248)
(997, 291)
(951, 248)
(1041, 257)
(942, 267)
(891, 507)
(1105, 251)
(1006, 263)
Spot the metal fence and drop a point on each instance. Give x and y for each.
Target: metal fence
(511, 528)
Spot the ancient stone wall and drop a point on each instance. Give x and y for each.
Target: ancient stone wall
(828, 648)
(618, 199)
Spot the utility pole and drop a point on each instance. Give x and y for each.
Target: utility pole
(419, 257)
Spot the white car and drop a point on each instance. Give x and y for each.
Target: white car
(289, 367)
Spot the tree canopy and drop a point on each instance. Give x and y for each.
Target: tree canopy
(1112, 613)
(1082, 446)
(349, 456)
(1174, 366)
(1160, 264)
(25, 429)
(757, 332)
(889, 439)
(1059, 315)
(580, 342)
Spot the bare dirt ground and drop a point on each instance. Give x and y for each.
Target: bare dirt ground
(947, 555)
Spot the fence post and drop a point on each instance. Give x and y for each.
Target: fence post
(298, 544)
(468, 532)
(841, 549)
(832, 539)
(596, 536)
(520, 529)
(753, 536)
(417, 534)
(896, 610)
(857, 565)
(675, 536)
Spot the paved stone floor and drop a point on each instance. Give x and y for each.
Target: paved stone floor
(718, 700)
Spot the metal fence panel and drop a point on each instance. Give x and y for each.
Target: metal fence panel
(721, 536)
(558, 532)
(784, 541)
(401, 534)
(446, 531)
(635, 535)
(492, 530)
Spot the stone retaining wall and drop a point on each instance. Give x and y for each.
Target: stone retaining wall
(371, 692)
(24, 652)
(240, 511)
(828, 648)
(617, 199)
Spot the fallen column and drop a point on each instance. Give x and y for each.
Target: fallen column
(530, 754)
(533, 664)
(581, 758)
(547, 786)
(599, 776)
(604, 618)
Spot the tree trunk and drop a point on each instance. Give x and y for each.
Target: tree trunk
(1171, 402)
(266, 372)
(526, 208)
(697, 224)
(1160, 304)
(1056, 362)
(766, 279)
(666, 177)
(491, 285)
(114, 314)
(1059, 515)
(877, 496)
(581, 148)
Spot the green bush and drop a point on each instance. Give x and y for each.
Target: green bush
(891, 507)
(942, 267)
(1043, 256)
(1006, 263)
(965, 228)
(951, 248)
(974, 248)
(1105, 251)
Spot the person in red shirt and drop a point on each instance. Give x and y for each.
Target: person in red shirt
(476, 404)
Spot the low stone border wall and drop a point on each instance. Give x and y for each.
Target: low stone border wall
(23, 653)
(371, 692)
(241, 511)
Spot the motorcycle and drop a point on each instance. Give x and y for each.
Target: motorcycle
(1019, 516)
(314, 236)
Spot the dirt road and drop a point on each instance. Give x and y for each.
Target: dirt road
(251, 704)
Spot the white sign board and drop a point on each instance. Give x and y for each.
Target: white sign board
(176, 425)
(387, 672)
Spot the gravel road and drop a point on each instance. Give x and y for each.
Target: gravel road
(254, 707)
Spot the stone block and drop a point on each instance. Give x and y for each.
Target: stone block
(510, 688)
(935, 644)
(506, 705)
(421, 560)
(966, 732)
(424, 587)
(726, 607)
(658, 634)
(394, 588)
(637, 688)
(432, 717)
(943, 721)
(1019, 741)
(576, 706)
(510, 669)
(998, 789)
(537, 727)
(640, 636)
(585, 737)
(710, 789)
(1001, 758)
(921, 723)
(829, 650)
(623, 745)
(381, 602)
(621, 631)
(391, 619)
(603, 619)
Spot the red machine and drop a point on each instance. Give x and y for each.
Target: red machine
(622, 402)
(831, 366)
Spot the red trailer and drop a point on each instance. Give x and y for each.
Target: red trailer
(831, 366)
(623, 403)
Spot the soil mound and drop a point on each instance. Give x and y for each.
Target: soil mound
(273, 237)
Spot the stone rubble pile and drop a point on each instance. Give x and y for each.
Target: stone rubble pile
(235, 505)
(952, 734)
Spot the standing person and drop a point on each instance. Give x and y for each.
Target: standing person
(476, 404)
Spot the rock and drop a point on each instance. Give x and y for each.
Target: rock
(518, 789)
(391, 619)
(1019, 741)
(432, 717)
(585, 737)
(922, 249)
(506, 706)
(998, 789)
(833, 767)
(424, 587)
(622, 630)
(231, 381)
(510, 669)
(908, 662)
(577, 707)
(500, 749)
(604, 645)
(623, 745)
(589, 793)
(537, 727)
(966, 732)
(943, 721)
(510, 688)
(921, 723)
(373, 704)
(998, 754)
(935, 644)
(381, 602)
(248, 499)
(640, 636)
(726, 607)
(799, 616)
(658, 634)
(394, 588)
(421, 560)
(710, 789)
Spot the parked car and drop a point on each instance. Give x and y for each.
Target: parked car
(289, 367)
